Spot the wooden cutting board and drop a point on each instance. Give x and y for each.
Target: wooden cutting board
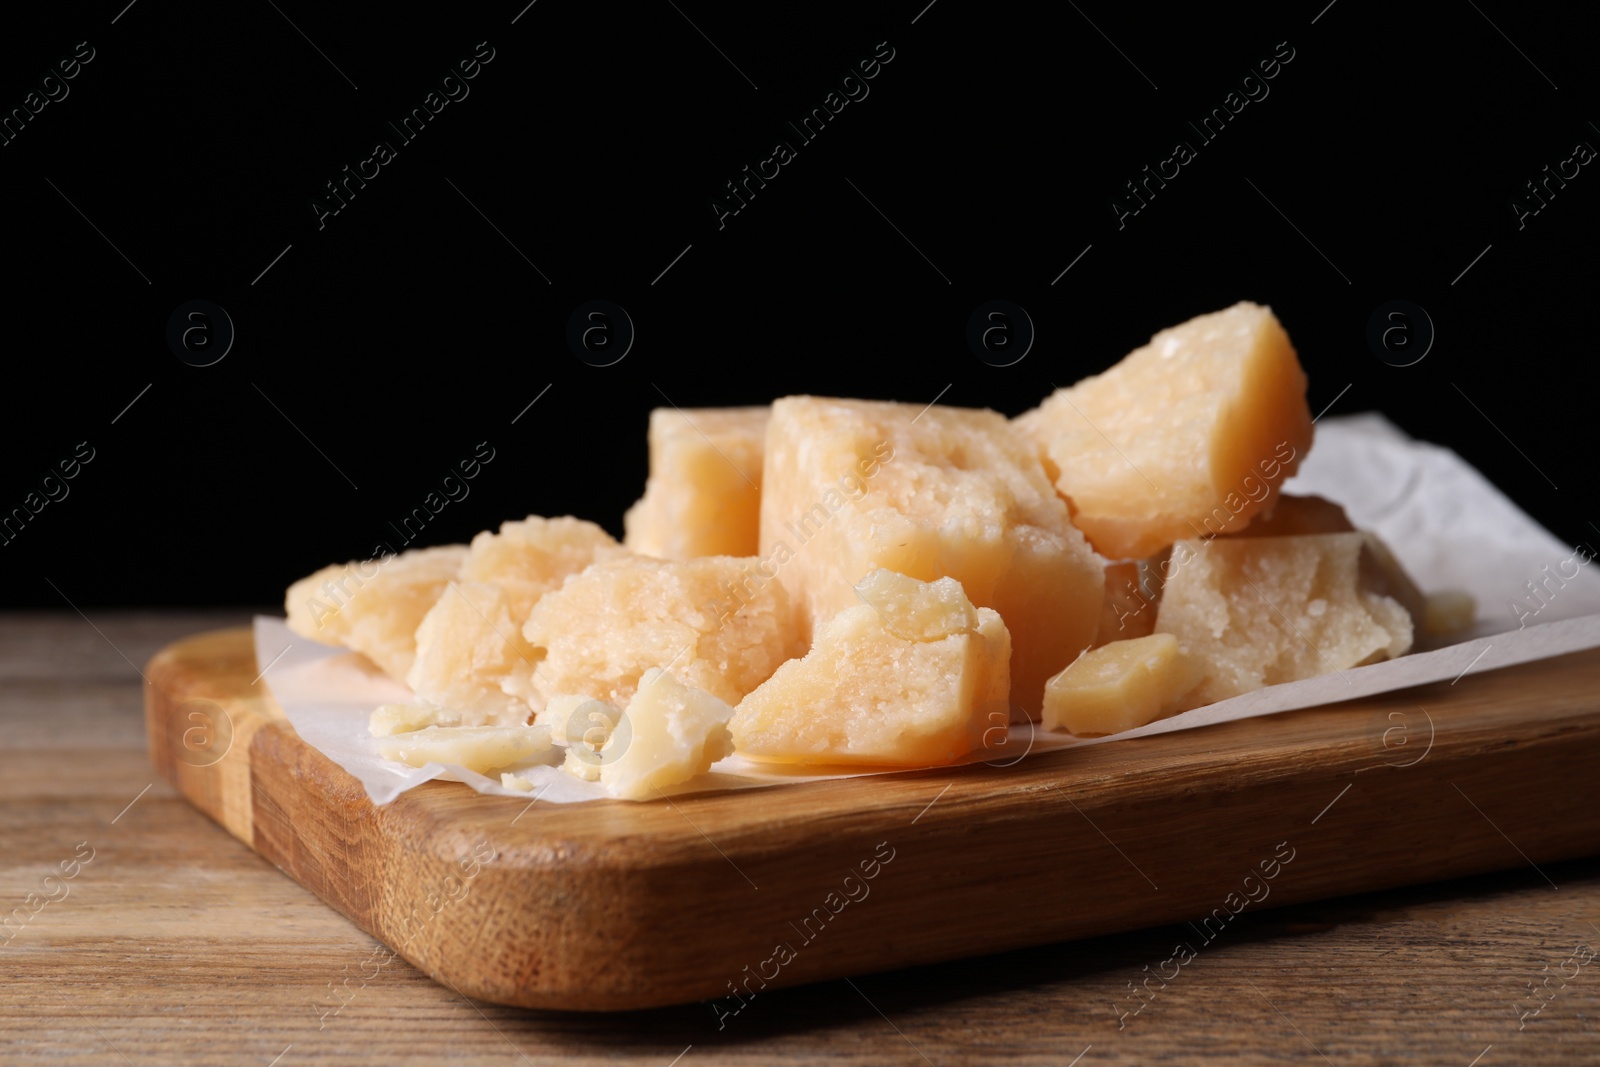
(615, 905)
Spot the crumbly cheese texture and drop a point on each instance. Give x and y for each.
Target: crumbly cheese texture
(715, 622)
(467, 644)
(531, 557)
(1120, 685)
(850, 486)
(1259, 611)
(669, 734)
(703, 495)
(374, 607)
(471, 654)
(1189, 436)
(912, 684)
(484, 749)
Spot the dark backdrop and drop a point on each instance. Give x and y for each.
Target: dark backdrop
(581, 161)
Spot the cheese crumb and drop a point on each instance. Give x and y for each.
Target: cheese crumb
(483, 749)
(669, 734)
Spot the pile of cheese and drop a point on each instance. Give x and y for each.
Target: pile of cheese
(851, 582)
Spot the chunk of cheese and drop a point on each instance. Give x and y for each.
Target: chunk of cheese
(926, 491)
(1299, 516)
(1120, 685)
(1188, 436)
(703, 496)
(530, 557)
(1259, 611)
(374, 607)
(669, 734)
(483, 749)
(915, 685)
(467, 644)
(715, 622)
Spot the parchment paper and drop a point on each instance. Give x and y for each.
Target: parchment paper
(1449, 527)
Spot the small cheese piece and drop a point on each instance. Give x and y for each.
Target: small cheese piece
(374, 607)
(1259, 611)
(670, 734)
(517, 782)
(582, 763)
(703, 496)
(1188, 436)
(716, 622)
(1448, 612)
(467, 644)
(927, 491)
(1120, 686)
(868, 694)
(393, 719)
(584, 725)
(483, 749)
(1130, 606)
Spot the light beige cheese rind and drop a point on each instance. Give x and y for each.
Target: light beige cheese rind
(927, 491)
(1260, 611)
(703, 495)
(1188, 436)
(374, 607)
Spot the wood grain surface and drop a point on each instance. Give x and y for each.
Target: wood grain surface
(177, 944)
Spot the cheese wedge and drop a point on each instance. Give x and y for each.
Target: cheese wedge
(1259, 611)
(1120, 685)
(1187, 437)
(715, 622)
(703, 496)
(374, 607)
(912, 683)
(850, 486)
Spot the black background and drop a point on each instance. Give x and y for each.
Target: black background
(380, 349)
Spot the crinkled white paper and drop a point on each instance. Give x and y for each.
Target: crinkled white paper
(1449, 527)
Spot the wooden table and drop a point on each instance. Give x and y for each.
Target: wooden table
(176, 944)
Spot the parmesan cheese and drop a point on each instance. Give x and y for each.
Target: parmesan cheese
(1189, 436)
(703, 496)
(850, 486)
